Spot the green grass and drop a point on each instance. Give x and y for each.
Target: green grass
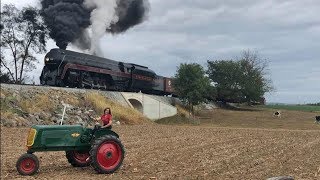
(305, 108)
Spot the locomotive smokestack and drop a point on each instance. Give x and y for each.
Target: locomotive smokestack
(69, 20)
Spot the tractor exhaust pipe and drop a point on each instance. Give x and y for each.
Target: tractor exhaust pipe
(64, 112)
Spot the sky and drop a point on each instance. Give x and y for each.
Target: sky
(284, 32)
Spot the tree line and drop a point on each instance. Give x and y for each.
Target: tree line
(314, 104)
(243, 80)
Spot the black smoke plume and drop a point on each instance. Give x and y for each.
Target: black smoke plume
(130, 13)
(68, 20)
(65, 19)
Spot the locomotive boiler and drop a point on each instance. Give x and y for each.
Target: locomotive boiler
(66, 68)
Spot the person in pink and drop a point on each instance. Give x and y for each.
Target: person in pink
(106, 118)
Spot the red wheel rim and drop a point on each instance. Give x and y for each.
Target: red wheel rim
(27, 165)
(109, 155)
(81, 157)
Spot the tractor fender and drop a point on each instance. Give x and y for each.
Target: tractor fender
(102, 132)
(113, 133)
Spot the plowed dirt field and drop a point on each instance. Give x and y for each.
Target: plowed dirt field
(185, 152)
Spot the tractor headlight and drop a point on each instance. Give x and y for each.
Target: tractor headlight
(31, 137)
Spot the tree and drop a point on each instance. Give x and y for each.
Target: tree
(225, 75)
(191, 84)
(22, 33)
(240, 81)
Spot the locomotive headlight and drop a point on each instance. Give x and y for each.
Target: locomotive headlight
(47, 59)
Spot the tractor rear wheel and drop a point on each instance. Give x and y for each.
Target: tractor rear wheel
(78, 158)
(27, 164)
(107, 154)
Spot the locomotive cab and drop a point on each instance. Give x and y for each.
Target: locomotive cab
(142, 78)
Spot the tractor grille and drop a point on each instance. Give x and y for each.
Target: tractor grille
(31, 136)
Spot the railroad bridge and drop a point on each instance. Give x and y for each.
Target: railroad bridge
(153, 107)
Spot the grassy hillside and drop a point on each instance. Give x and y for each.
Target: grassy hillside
(27, 107)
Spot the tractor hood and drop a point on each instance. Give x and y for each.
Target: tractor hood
(55, 137)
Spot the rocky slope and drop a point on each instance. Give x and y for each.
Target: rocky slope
(27, 105)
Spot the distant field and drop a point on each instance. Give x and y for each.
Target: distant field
(250, 118)
(294, 107)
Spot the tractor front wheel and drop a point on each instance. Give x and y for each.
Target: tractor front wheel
(27, 164)
(107, 154)
(78, 158)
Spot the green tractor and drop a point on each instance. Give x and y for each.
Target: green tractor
(99, 147)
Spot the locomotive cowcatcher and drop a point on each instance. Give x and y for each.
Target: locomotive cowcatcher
(99, 147)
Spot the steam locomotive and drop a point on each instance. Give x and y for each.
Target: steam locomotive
(68, 68)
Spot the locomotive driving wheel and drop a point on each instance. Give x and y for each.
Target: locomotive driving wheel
(107, 154)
